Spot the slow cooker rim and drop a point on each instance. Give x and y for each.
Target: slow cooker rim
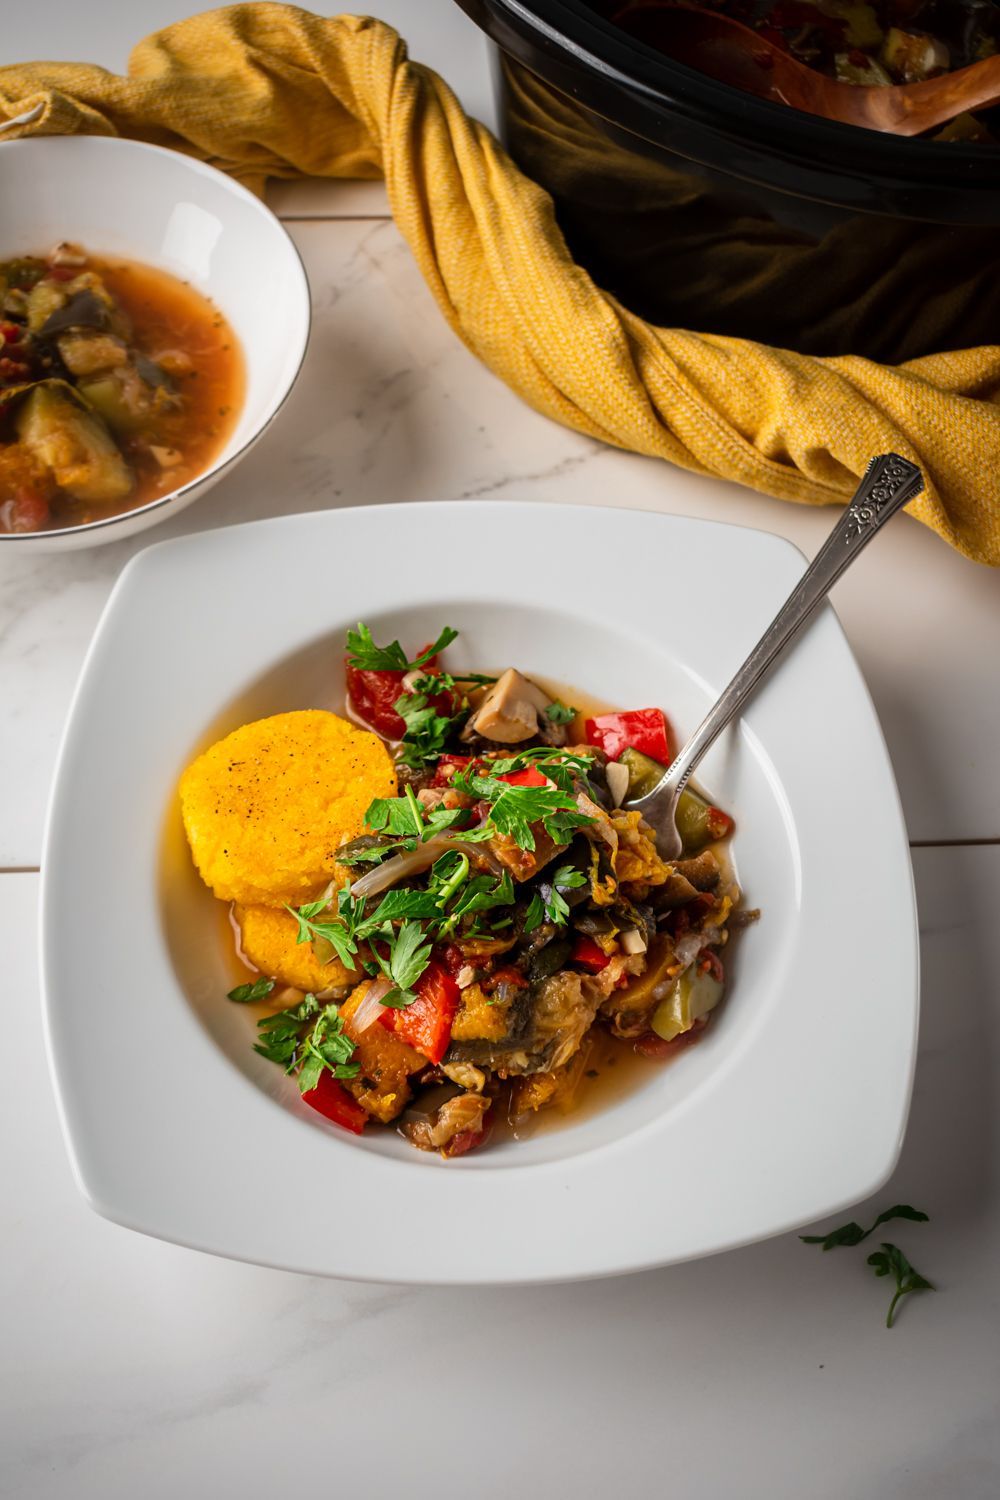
(913, 164)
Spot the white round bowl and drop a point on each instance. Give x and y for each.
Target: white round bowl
(119, 197)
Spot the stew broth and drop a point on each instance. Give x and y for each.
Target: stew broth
(169, 400)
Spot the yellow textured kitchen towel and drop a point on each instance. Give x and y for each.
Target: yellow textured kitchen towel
(270, 90)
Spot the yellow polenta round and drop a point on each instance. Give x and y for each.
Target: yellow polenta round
(268, 939)
(266, 809)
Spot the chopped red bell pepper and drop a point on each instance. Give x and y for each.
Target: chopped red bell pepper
(529, 776)
(586, 952)
(642, 729)
(426, 1022)
(333, 1101)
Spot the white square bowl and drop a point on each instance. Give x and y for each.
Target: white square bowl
(792, 1106)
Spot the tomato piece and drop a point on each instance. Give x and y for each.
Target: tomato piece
(426, 1022)
(468, 1140)
(448, 766)
(529, 776)
(711, 963)
(719, 824)
(373, 697)
(642, 729)
(27, 511)
(506, 974)
(586, 952)
(657, 1047)
(331, 1099)
(453, 958)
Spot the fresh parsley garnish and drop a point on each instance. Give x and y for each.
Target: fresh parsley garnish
(427, 732)
(553, 907)
(890, 1261)
(480, 894)
(341, 930)
(362, 651)
(853, 1234)
(307, 1038)
(401, 816)
(515, 809)
(409, 953)
(560, 713)
(257, 989)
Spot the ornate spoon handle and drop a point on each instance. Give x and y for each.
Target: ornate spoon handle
(889, 483)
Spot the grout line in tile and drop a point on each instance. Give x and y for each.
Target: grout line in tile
(335, 218)
(952, 843)
(20, 869)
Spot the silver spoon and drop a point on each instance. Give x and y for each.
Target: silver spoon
(888, 483)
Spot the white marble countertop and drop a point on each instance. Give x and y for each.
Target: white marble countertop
(128, 1367)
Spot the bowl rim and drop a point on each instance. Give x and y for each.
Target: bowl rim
(103, 1126)
(217, 470)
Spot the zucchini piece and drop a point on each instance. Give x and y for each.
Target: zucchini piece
(692, 995)
(74, 445)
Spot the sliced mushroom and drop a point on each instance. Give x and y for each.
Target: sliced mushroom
(67, 254)
(167, 458)
(509, 712)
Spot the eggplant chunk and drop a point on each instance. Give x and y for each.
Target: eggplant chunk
(90, 353)
(75, 445)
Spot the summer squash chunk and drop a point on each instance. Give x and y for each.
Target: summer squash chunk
(74, 445)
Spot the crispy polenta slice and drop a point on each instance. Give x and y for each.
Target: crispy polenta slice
(268, 939)
(266, 808)
(383, 1085)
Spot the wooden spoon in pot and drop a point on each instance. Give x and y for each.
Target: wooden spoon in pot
(733, 53)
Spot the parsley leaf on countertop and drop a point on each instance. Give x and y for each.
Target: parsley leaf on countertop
(853, 1234)
(890, 1261)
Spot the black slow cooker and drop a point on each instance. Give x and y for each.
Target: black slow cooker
(702, 207)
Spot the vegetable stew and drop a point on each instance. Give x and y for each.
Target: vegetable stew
(450, 919)
(874, 42)
(118, 384)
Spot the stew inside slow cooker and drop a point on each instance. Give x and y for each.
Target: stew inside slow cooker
(874, 42)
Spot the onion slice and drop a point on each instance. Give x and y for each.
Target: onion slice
(371, 1006)
(601, 826)
(415, 861)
